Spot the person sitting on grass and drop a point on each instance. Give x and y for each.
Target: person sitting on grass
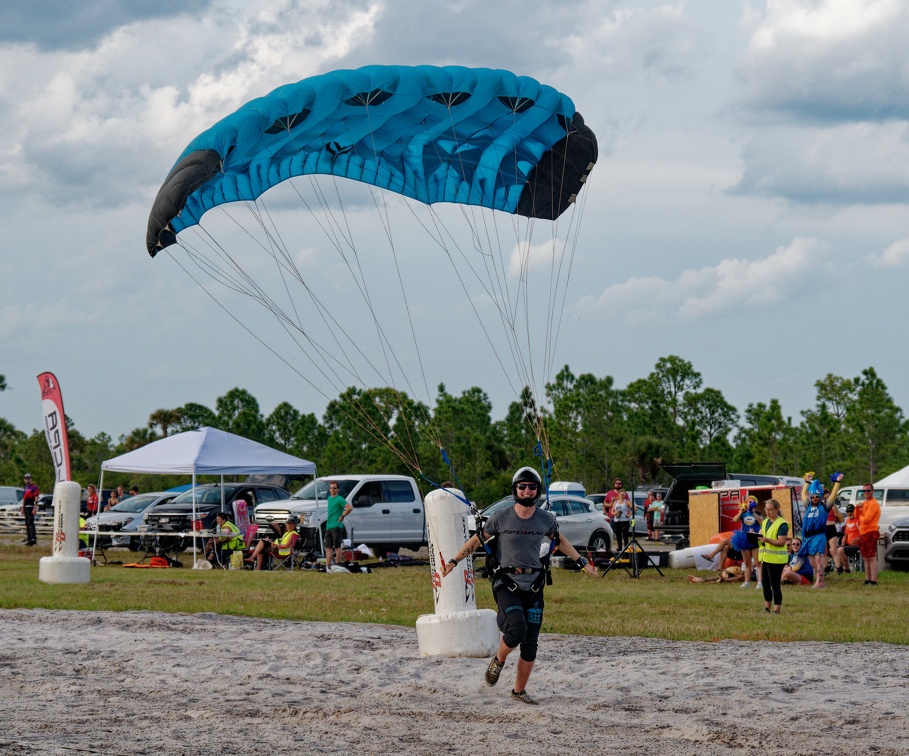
(281, 548)
(732, 574)
(799, 570)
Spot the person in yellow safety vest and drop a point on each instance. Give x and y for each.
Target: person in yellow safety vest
(281, 548)
(773, 539)
(83, 537)
(228, 538)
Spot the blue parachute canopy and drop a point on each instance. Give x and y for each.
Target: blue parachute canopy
(474, 136)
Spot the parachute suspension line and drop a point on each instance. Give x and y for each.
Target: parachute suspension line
(335, 233)
(365, 422)
(383, 213)
(499, 280)
(434, 484)
(340, 236)
(545, 465)
(440, 241)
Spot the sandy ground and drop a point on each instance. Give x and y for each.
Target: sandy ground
(150, 683)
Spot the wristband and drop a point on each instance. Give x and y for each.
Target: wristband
(453, 562)
(581, 562)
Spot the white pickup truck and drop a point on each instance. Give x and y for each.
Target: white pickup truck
(387, 511)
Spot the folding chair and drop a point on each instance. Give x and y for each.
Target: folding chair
(279, 561)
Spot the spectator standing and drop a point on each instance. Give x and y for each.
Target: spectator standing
(868, 513)
(91, 503)
(648, 515)
(657, 511)
(610, 497)
(773, 554)
(30, 509)
(621, 519)
(121, 493)
(814, 524)
(338, 509)
(745, 538)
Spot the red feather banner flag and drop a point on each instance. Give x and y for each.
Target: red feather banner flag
(55, 424)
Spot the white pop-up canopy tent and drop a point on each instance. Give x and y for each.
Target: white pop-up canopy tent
(207, 451)
(899, 478)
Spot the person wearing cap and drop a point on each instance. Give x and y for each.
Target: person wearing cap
(281, 547)
(848, 548)
(519, 574)
(611, 496)
(228, 538)
(29, 510)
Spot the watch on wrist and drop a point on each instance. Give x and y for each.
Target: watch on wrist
(453, 562)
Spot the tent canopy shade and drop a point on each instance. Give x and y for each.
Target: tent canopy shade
(208, 451)
(899, 478)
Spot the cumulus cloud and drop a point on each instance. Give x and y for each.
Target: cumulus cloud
(545, 255)
(829, 60)
(715, 290)
(894, 256)
(50, 24)
(844, 164)
(97, 127)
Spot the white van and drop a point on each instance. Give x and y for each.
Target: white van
(567, 487)
(894, 501)
(10, 494)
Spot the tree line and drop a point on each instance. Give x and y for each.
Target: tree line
(594, 432)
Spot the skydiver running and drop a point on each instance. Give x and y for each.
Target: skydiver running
(519, 574)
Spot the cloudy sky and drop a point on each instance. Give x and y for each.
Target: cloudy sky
(748, 211)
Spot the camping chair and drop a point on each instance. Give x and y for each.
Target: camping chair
(285, 562)
(241, 515)
(307, 547)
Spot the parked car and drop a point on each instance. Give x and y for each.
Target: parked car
(127, 516)
(585, 526)
(894, 501)
(177, 516)
(45, 507)
(896, 544)
(10, 495)
(387, 514)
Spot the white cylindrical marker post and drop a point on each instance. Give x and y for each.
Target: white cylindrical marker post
(65, 565)
(457, 628)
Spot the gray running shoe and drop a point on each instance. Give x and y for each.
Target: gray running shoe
(524, 697)
(493, 671)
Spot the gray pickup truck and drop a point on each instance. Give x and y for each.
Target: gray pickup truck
(387, 514)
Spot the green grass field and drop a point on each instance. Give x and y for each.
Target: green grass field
(651, 606)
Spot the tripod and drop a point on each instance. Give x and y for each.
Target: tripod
(632, 549)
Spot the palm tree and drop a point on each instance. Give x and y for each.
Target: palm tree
(165, 419)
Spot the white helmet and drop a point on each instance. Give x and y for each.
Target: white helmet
(526, 475)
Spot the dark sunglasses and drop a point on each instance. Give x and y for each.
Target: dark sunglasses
(527, 486)
(868, 490)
